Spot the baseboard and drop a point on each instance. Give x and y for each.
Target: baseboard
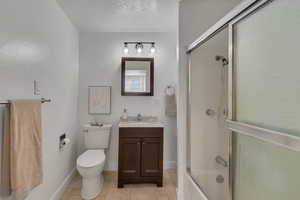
(193, 189)
(179, 194)
(60, 190)
(170, 164)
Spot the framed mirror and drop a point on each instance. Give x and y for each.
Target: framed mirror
(137, 76)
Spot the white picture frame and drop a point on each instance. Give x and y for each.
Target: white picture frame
(99, 100)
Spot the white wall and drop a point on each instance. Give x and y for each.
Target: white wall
(37, 41)
(100, 64)
(195, 17)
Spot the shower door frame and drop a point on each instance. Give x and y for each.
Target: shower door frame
(238, 13)
(282, 139)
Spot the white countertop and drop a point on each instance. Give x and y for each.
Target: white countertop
(141, 124)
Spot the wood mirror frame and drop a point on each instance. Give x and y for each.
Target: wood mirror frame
(123, 69)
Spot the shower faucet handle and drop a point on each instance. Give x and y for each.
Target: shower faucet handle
(221, 161)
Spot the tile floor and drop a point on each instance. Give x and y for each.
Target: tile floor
(129, 192)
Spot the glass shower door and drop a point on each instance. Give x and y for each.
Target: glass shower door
(208, 140)
(266, 95)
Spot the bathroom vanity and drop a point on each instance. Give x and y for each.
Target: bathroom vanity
(140, 153)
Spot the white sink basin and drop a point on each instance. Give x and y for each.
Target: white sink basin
(145, 122)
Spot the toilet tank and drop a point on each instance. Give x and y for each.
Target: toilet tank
(97, 137)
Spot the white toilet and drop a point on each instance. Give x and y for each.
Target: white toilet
(90, 164)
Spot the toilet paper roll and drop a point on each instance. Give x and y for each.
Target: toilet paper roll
(66, 141)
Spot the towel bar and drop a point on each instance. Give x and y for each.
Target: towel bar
(43, 100)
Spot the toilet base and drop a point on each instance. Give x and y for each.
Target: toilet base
(91, 187)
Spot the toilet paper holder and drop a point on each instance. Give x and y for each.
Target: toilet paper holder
(63, 141)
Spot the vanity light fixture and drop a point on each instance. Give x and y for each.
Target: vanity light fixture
(139, 46)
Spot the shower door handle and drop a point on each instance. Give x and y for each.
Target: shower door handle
(221, 161)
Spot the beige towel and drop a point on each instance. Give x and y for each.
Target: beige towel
(25, 146)
(5, 189)
(171, 106)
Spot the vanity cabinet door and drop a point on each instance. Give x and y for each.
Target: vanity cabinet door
(129, 157)
(152, 157)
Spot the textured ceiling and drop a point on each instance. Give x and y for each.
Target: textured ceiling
(122, 15)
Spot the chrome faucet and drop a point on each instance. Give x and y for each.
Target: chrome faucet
(94, 122)
(139, 117)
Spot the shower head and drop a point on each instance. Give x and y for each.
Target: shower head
(223, 59)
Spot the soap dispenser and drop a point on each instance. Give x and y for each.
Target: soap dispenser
(124, 115)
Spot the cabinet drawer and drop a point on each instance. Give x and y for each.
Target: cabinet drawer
(141, 132)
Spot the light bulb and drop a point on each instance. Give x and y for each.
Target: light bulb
(139, 50)
(139, 47)
(152, 49)
(126, 48)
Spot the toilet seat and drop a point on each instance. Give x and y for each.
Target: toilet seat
(91, 158)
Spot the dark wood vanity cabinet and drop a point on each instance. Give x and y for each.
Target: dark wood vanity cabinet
(140, 156)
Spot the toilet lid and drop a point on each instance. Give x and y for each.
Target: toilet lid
(91, 158)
